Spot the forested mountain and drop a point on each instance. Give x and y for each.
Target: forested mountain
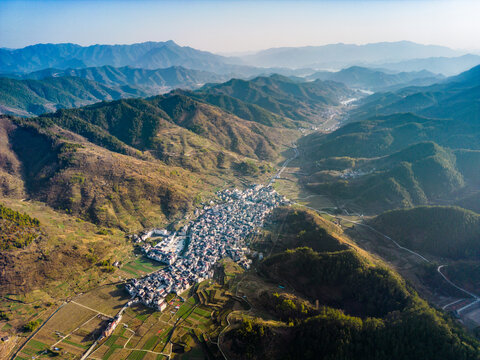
(304, 101)
(62, 169)
(376, 80)
(152, 82)
(457, 97)
(144, 124)
(148, 55)
(34, 97)
(444, 231)
(390, 162)
(422, 173)
(366, 310)
(244, 110)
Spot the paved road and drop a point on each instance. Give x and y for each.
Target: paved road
(285, 164)
(477, 298)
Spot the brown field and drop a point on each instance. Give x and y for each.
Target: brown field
(107, 299)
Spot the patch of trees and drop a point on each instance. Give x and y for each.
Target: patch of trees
(17, 230)
(32, 325)
(249, 338)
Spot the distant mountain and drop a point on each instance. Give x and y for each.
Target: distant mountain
(447, 66)
(302, 101)
(148, 55)
(344, 55)
(34, 97)
(376, 80)
(456, 97)
(151, 82)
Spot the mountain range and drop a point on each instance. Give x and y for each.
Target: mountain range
(376, 80)
(447, 66)
(148, 55)
(151, 82)
(342, 55)
(402, 159)
(399, 56)
(454, 98)
(35, 97)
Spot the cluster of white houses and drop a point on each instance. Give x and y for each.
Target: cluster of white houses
(217, 232)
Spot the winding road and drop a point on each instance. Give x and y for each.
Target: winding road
(420, 256)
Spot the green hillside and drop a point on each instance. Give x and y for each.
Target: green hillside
(34, 97)
(171, 125)
(375, 80)
(151, 82)
(385, 135)
(17, 230)
(419, 174)
(443, 231)
(283, 96)
(366, 311)
(456, 97)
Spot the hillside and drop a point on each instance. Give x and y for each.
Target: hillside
(152, 82)
(157, 125)
(305, 101)
(366, 310)
(67, 172)
(454, 98)
(35, 97)
(444, 231)
(422, 173)
(244, 110)
(358, 77)
(17, 230)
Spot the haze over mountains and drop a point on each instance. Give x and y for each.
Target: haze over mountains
(152, 68)
(343, 55)
(155, 55)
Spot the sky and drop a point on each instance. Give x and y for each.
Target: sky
(240, 26)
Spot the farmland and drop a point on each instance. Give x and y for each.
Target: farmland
(187, 328)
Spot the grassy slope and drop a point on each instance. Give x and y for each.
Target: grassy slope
(69, 173)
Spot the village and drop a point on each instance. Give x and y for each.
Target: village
(190, 254)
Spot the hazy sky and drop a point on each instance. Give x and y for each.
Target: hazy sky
(230, 26)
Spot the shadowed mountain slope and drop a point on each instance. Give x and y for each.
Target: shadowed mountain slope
(34, 97)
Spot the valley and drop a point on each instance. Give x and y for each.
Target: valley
(162, 202)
